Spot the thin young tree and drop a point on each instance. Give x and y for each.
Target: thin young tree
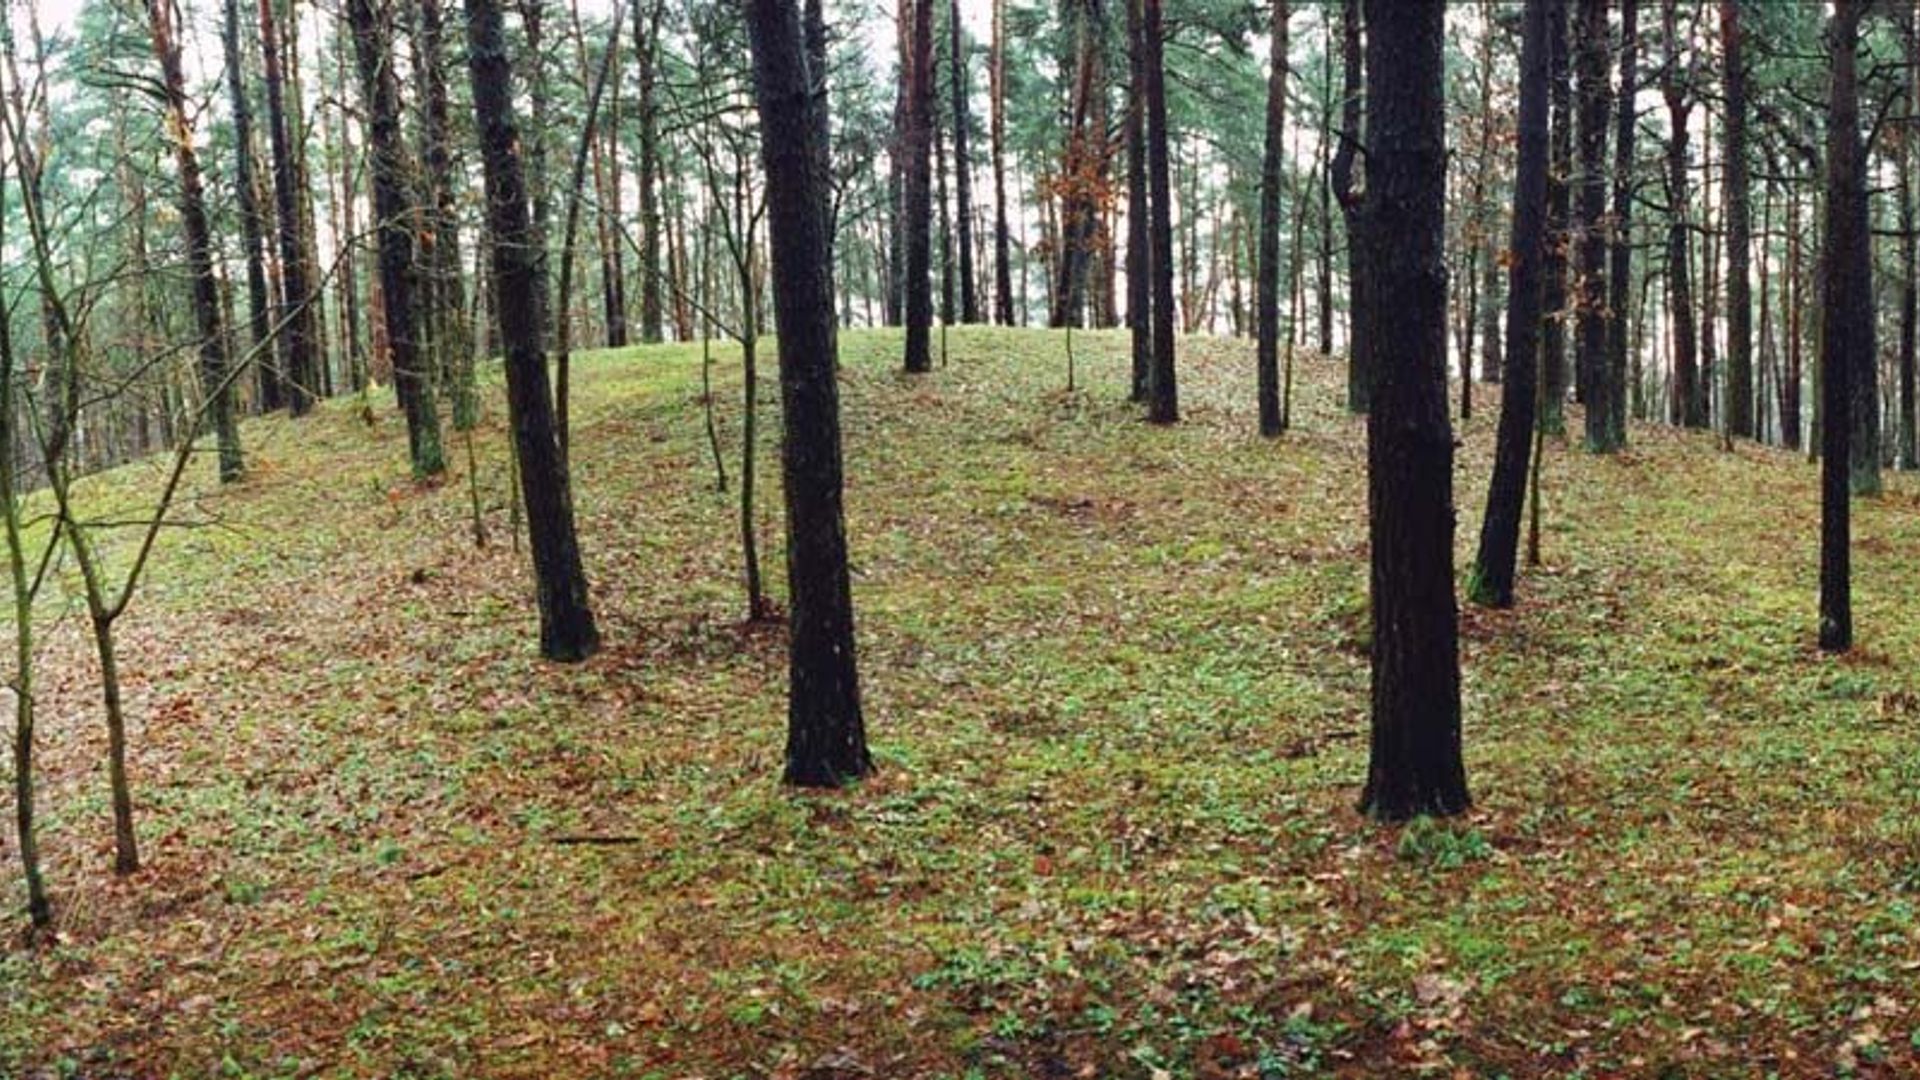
(1494, 567)
(393, 216)
(1847, 330)
(567, 630)
(826, 736)
(22, 567)
(570, 229)
(1271, 168)
(1415, 766)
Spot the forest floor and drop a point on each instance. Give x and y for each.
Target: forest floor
(1116, 684)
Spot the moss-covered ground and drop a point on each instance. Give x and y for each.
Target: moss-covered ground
(1116, 684)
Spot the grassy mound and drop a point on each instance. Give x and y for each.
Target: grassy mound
(1117, 689)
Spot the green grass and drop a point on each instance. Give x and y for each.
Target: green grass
(1116, 683)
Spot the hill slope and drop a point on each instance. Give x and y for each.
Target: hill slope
(1117, 688)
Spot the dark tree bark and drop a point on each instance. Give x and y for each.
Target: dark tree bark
(1359, 379)
(300, 359)
(567, 630)
(826, 738)
(1553, 336)
(1739, 227)
(1490, 309)
(898, 154)
(962, 165)
(1596, 109)
(216, 385)
(1082, 168)
(442, 257)
(1847, 331)
(1163, 391)
(646, 33)
(1139, 236)
(534, 158)
(1795, 284)
(814, 26)
(380, 97)
(917, 199)
(1326, 192)
(1909, 247)
(944, 215)
(1689, 404)
(1002, 235)
(1494, 567)
(1415, 767)
(1620, 258)
(252, 225)
(1271, 168)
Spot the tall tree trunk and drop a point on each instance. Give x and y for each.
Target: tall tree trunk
(1791, 379)
(1596, 108)
(1002, 235)
(380, 97)
(962, 164)
(1139, 237)
(358, 362)
(1082, 165)
(646, 33)
(252, 229)
(1553, 336)
(1415, 766)
(1864, 381)
(814, 26)
(309, 224)
(917, 205)
(826, 736)
(1271, 168)
(1909, 247)
(1326, 192)
(1620, 258)
(944, 215)
(299, 360)
(443, 262)
(1359, 379)
(216, 385)
(1494, 567)
(1490, 309)
(1689, 406)
(1163, 392)
(539, 175)
(567, 630)
(1847, 332)
(1739, 228)
(1709, 273)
